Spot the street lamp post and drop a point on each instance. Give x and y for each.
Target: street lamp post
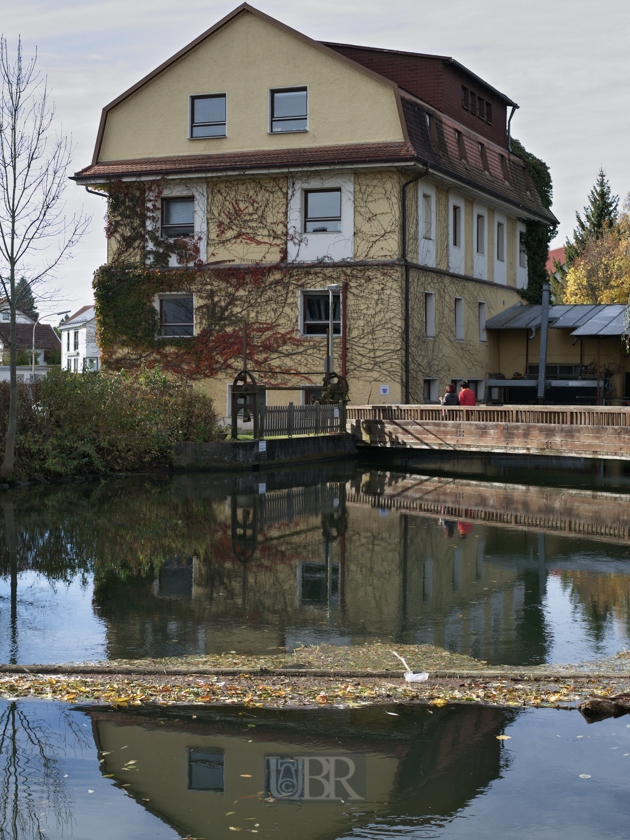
(65, 312)
(333, 289)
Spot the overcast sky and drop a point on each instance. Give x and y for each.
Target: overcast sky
(566, 62)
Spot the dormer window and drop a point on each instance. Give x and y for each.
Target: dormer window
(289, 110)
(484, 157)
(465, 98)
(208, 116)
(461, 146)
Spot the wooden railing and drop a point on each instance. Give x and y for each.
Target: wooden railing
(553, 414)
(290, 420)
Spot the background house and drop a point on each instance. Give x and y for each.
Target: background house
(304, 164)
(47, 348)
(79, 350)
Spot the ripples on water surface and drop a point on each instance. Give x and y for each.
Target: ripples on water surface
(97, 774)
(516, 574)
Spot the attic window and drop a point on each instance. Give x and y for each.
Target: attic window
(433, 132)
(528, 181)
(461, 146)
(207, 116)
(489, 113)
(289, 110)
(484, 157)
(473, 102)
(481, 108)
(504, 169)
(465, 98)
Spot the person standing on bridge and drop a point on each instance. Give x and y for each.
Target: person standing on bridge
(466, 396)
(450, 396)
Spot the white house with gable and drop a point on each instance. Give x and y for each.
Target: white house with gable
(79, 350)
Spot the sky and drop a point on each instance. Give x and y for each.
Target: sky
(566, 62)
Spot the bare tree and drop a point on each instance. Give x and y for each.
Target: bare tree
(35, 235)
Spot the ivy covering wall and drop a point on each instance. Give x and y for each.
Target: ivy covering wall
(538, 235)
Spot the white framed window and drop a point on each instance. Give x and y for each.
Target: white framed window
(315, 312)
(76, 341)
(178, 217)
(427, 216)
(430, 390)
(501, 241)
(6, 316)
(426, 223)
(456, 226)
(480, 243)
(499, 256)
(320, 217)
(481, 306)
(68, 342)
(456, 243)
(177, 315)
(207, 116)
(459, 319)
(322, 211)
(75, 364)
(522, 275)
(288, 110)
(429, 315)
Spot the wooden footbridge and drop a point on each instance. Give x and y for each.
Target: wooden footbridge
(582, 432)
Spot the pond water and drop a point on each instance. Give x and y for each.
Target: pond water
(339, 554)
(384, 772)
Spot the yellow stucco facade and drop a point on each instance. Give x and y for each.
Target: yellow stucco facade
(246, 59)
(257, 218)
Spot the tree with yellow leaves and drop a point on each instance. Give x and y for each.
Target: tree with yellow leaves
(601, 274)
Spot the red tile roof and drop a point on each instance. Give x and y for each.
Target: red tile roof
(555, 254)
(360, 153)
(45, 337)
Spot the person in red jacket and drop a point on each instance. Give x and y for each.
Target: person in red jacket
(466, 396)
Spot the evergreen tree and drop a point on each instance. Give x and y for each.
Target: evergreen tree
(25, 301)
(600, 215)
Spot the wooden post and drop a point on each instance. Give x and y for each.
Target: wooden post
(318, 412)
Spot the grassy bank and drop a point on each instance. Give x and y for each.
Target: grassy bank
(88, 423)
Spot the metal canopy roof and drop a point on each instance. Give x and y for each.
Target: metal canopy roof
(605, 320)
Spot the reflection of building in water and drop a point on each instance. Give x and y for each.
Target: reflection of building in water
(204, 775)
(407, 559)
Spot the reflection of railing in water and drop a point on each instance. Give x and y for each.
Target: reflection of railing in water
(597, 524)
(298, 503)
(251, 515)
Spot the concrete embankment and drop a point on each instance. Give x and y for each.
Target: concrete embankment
(254, 454)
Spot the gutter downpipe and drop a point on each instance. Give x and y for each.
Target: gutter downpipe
(542, 361)
(406, 262)
(509, 137)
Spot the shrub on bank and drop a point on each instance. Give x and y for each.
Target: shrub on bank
(94, 422)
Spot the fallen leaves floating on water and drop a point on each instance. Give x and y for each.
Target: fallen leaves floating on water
(475, 683)
(504, 737)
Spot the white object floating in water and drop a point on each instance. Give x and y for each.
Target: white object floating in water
(409, 674)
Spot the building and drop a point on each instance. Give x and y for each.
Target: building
(79, 350)
(292, 165)
(28, 334)
(586, 352)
